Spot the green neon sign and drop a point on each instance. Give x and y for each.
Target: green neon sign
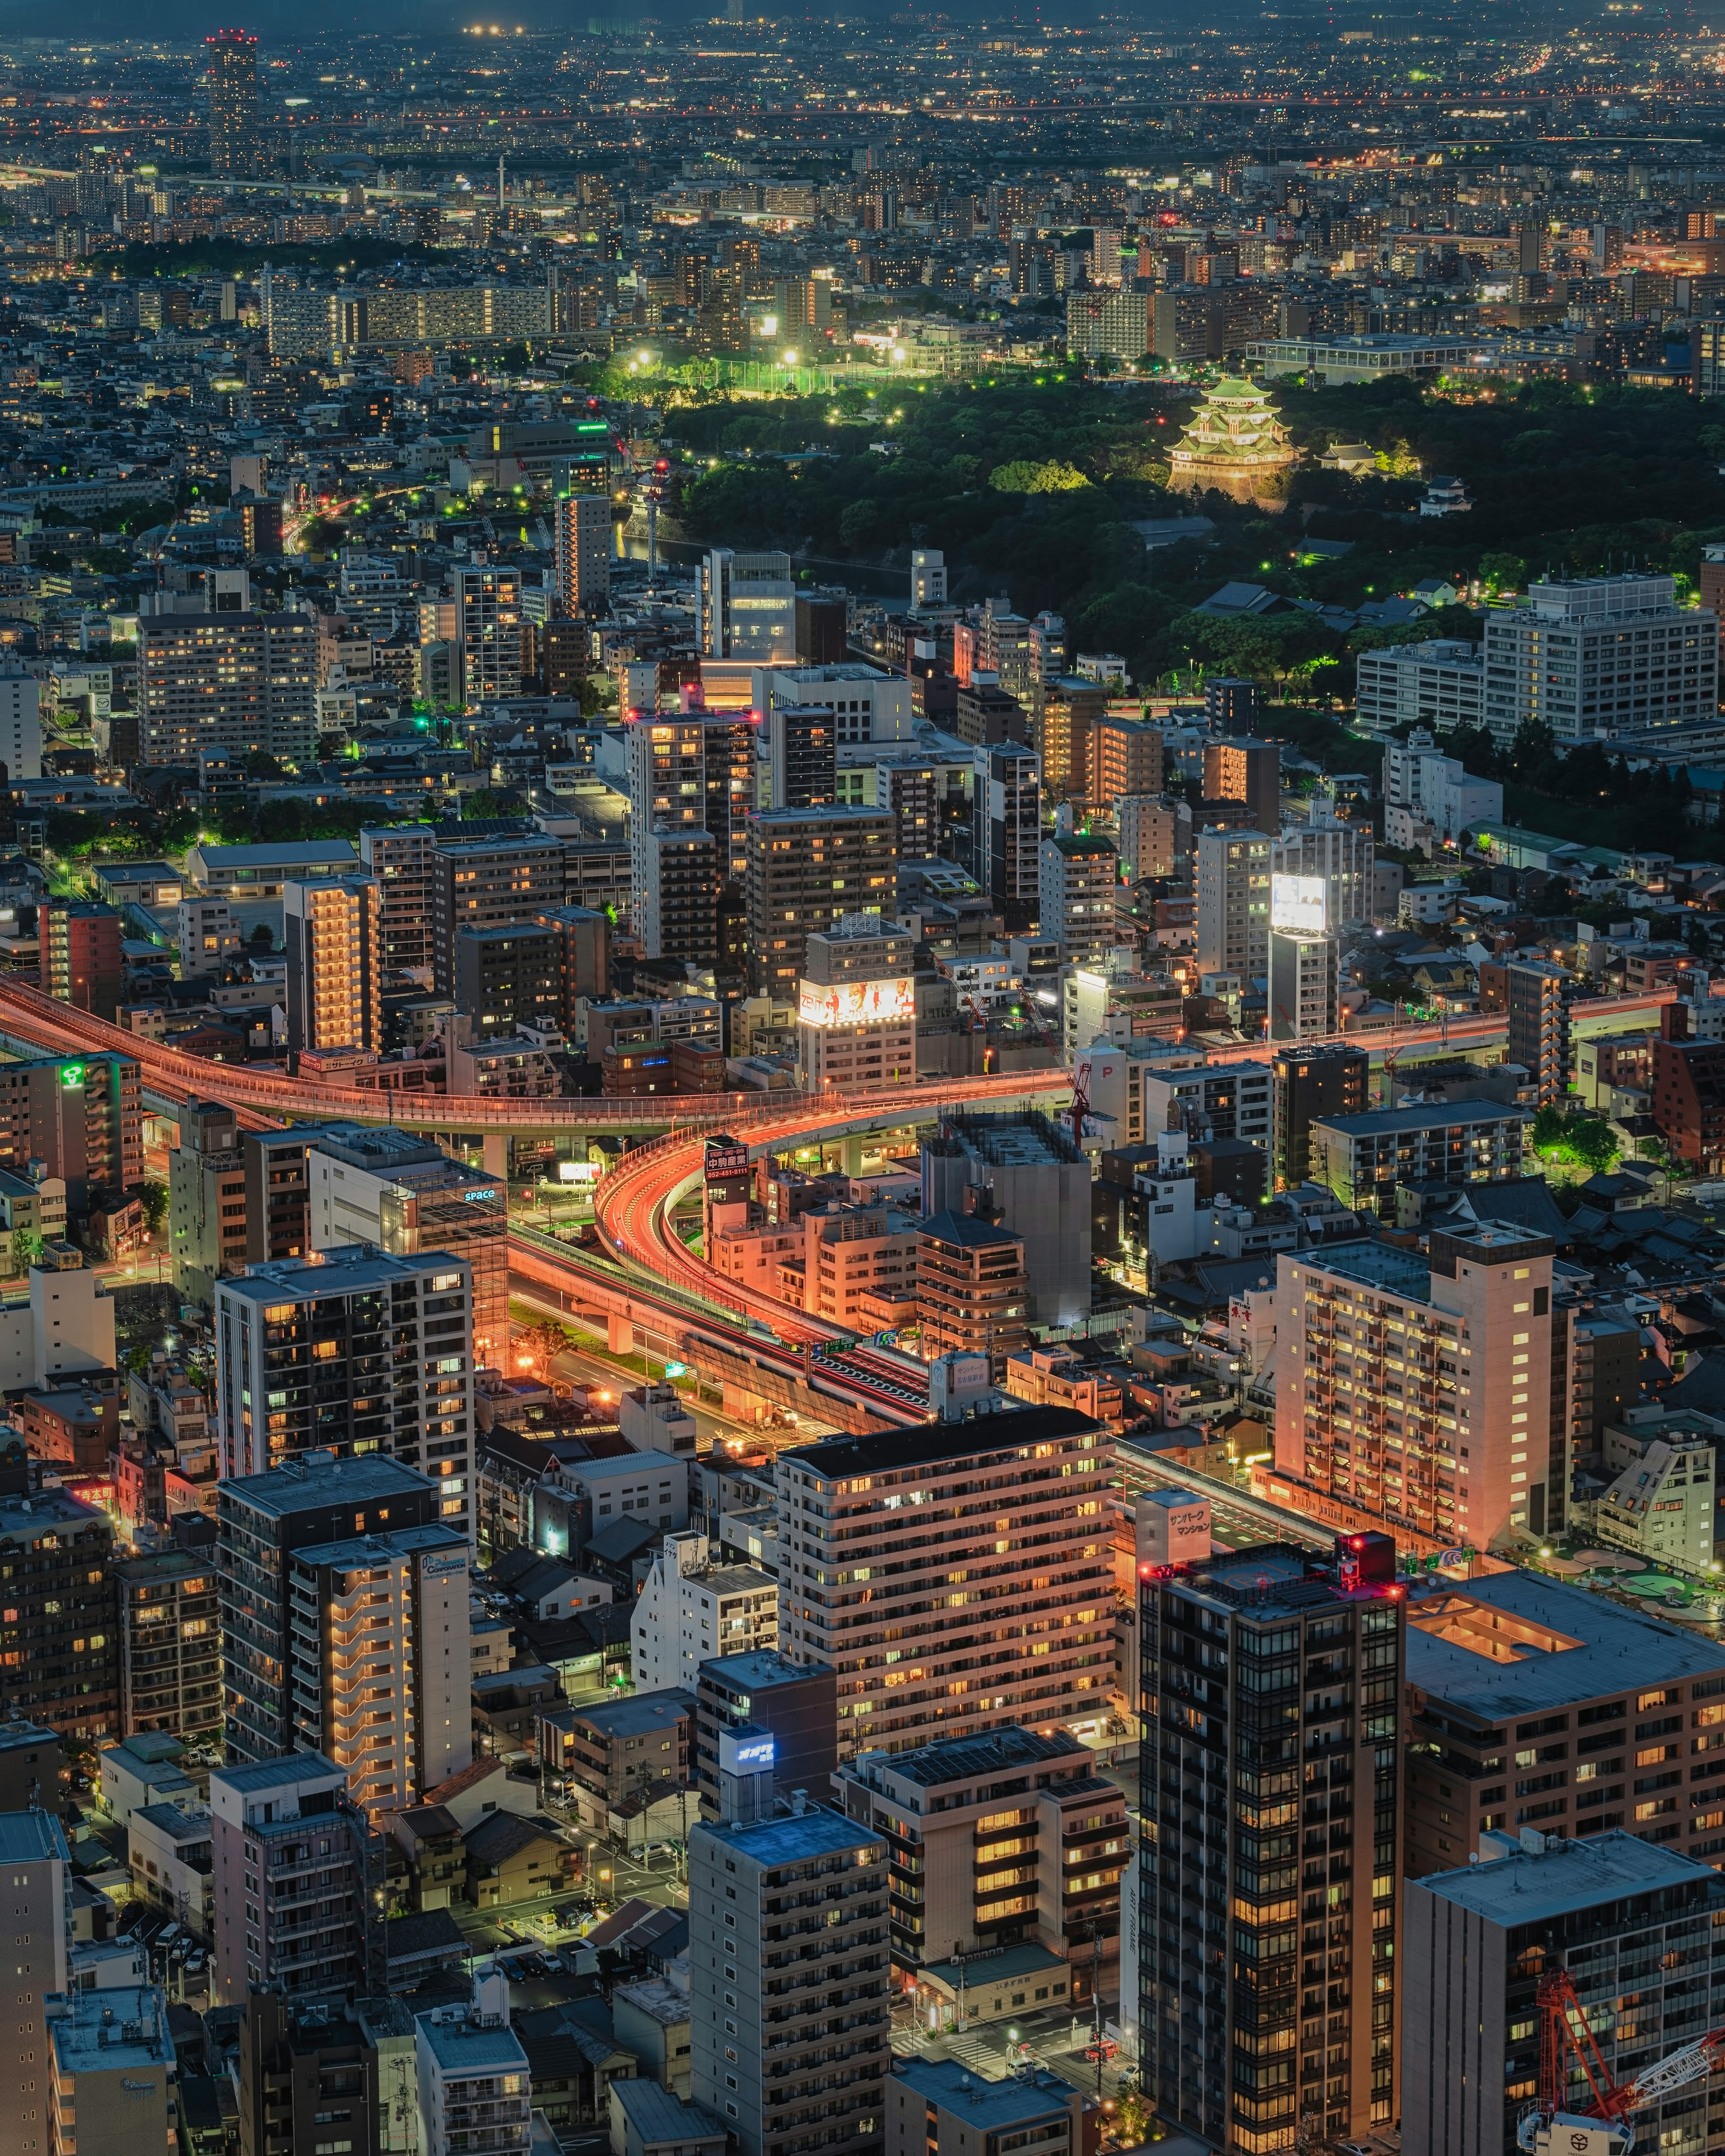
(71, 1076)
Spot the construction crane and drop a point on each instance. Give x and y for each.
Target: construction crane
(1604, 2129)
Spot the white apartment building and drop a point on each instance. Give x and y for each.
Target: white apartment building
(209, 935)
(1441, 684)
(474, 2084)
(1079, 880)
(1413, 1390)
(381, 1670)
(866, 705)
(1303, 980)
(1427, 794)
(37, 1866)
(1594, 657)
(1234, 870)
(230, 681)
(20, 724)
(1216, 1100)
(748, 607)
(1152, 832)
(1661, 1506)
(690, 1609)
(1342, 853)
(1025, 1636)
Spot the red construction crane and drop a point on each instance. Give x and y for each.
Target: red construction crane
(1565, 2034)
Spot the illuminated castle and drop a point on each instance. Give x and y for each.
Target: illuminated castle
(1234, 443)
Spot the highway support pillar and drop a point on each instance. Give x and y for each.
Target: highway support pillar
(619, 1332)
(852, 1154)
(494, 1153)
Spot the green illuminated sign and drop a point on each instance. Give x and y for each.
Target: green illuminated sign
(71, 1075)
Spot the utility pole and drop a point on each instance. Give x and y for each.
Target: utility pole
(500, 190)
(1096, 1997)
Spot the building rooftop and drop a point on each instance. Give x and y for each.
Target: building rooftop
(297, 1770)
(45, 1513)
(461, 2046)
(1386, 1122)
(1516, 1643)
(1003, 1437)
(986, 2107)
(965, 1758)
(356, 1552)
(790, 1841)
(657, 2115)
(189, 1825)
(1265, 1581)
(633, 1717)
(344, 1268)
(109, 2031)
(1533, 1887)
(318, 1478)
(759, 1671)
(29, 1837)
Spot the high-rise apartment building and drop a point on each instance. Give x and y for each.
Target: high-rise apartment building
(789, 2032)
(1077, 886)
(1304, 983)
(583, 530)
(1540, 996)
(1628, 1925)
(37, 1866)
(973, 1291)
(299, 1884)
(20, 723)
(82, 963)
(488, 627)
(381, 1660)
(355, 1352)
(231, 67)
(170, 1642)
(205, 1202)
(856, 1021)
(793, 1703)
(492, 882)
(334, 929)
(1233, 915)
(1271, 1868)
(507, 977)
(1009, 830)
(397, 858)
(261, 1520)
(691, 1609)
(1365, 1159)
(236, 682)
(1415, 1387)
(677, 894)
(797, 743)
(1245, 768)
(1025, 1171)
(1596, 657)
(1309, 1083)
(1125, 757)
(806, 869)
(996, 1842)
(1341, 854)
(748, 607)
(1035, 1626)
(60, 1644)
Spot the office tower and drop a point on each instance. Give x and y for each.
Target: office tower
(690, 1609)
(231, 60)
(488, 627)
(1009, 830)
(81, 960)
(1539, 997)
(748, 607)
(381, 1661)
(1267, 1984)
(1231, 706)
(1304, 982)
(806, 869)
(20, 724)
(1621, 1921)
(583, 552)
(299, 1879)
(1462, 1448)
(475, 2086)
(1246, 769)
(1125, 758)
(866, 705)
(353, 1351)
(1365, 1159)
(1151, 834)
(397, 858)
(1593, 1752)
(237, 682)
(1035, 1638)
(856, 1012)
(1598, 657)
(111, 2070)
(1025, 1171)
(170, 1642)
(928, 578)
(798, 742)
(789, 2037)
(489, 883)
(207, 938)
(1078, 879)
(1234, 902)
(38, 1870)
(1339, 855)
(58, 1643)
(334, 929)
(1011, 1841)
(507, 977)
(1440, 683)
(1308, 1083)
(794, 1704)
(406, 1195)
(260, 1520)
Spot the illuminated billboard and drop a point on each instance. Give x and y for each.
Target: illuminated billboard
(725, 1160)
(857, 1002)
(1300, 903)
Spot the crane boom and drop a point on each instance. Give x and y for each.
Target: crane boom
(1565, 2032)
